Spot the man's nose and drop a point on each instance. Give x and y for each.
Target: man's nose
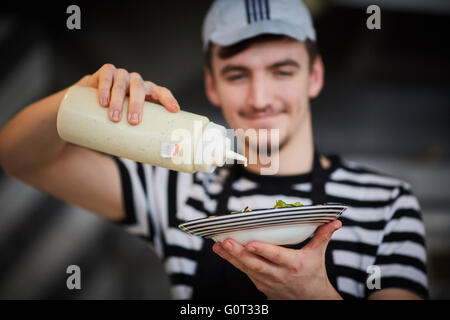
(259, 95)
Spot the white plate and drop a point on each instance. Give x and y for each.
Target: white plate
(279, 235)
(211, 233)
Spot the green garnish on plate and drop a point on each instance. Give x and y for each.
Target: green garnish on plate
(278, 204)
(282, 204)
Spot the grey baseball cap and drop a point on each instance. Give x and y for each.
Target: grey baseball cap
(231, 21)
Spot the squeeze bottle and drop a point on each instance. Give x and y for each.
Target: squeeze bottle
(181, 141)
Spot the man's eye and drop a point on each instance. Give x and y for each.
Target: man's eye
(235, 77)
(283, 73)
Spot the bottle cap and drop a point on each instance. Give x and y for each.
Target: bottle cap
(236, 156)
(214, 136)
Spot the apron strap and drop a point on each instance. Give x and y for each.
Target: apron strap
(215, 278)
(319, 196)
(222, 201)
(319, 178)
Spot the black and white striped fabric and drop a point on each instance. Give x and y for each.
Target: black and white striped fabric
(381, 227)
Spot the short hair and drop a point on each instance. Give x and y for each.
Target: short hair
(229, 51)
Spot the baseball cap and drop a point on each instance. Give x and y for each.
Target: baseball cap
(231, 21)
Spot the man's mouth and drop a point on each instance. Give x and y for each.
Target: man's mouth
(261, 115)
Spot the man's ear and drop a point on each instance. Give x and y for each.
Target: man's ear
(210, 87)
(316, 77)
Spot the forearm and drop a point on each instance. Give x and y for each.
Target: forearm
(30, 139)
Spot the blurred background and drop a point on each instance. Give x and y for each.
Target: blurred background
(385, 104)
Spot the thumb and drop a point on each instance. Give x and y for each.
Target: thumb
(322, 236)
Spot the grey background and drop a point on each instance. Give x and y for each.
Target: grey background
(385, 104)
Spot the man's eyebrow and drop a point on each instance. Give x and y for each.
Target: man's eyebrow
(232, 67)
(287, 62)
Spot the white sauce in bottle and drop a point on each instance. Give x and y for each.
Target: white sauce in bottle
(181, 141)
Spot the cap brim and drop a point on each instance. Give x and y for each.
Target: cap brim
(262, 27)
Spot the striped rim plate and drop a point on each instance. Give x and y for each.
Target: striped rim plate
(212, 225)
(271, 219)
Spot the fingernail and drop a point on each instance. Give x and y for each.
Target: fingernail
(251, 249)
(134, 117)
(228, 245)
(116, 115)
(217, 247)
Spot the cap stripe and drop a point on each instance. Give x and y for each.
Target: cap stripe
(261, 10)
(247, 9)
(254, 11)
(266, 2)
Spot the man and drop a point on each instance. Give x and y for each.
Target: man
(262, 68)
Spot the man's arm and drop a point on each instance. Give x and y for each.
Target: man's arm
(401, 255)
(31, 149)
(81, 177)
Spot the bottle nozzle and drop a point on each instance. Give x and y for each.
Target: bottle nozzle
(236, 156)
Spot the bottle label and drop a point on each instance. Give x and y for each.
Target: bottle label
(169, 150)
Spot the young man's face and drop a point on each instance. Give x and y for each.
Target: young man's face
(266, 86)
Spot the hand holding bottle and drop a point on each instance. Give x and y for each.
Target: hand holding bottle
(114, 84)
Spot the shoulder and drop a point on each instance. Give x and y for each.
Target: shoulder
(363, 175)
(370, 188)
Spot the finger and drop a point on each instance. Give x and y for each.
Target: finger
(93, 80)
(273, 253)
(322, 236)
(84, 81)
(119, 90)
(150, 94)
(251, 263)
(137, 98)
(150, 90)
(222, 252)
(259, 272)
(105, 81)
(166, 98)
